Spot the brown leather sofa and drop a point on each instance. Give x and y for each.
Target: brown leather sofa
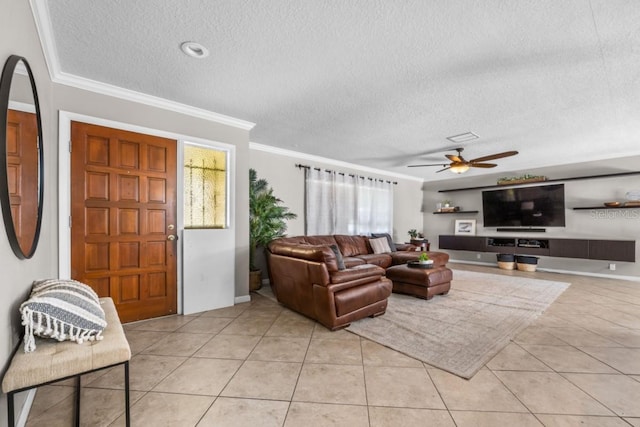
(305, 276)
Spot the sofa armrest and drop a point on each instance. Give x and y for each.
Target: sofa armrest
(406, 247)
(316, 253)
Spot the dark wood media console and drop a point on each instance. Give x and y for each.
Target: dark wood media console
(608, 250)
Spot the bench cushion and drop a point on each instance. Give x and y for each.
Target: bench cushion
(55, 360)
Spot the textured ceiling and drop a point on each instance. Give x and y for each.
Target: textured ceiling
(382, 83)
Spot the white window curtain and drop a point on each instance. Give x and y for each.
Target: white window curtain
(344, 204)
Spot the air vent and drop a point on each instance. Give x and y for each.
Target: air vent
(463, 137)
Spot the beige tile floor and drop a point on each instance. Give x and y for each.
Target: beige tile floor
(259, 364)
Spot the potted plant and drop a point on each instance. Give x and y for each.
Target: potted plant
(413, 233)
(267, 221)
(424, 259)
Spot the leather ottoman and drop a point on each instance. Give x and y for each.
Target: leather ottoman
(420, 282)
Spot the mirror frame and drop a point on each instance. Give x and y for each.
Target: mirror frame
(5, 89)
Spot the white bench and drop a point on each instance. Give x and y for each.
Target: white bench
(55, 361)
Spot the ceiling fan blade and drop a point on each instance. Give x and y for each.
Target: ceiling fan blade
(454, 158)
(482, 165)
(494, 156)
(448, 167)
(421, 166)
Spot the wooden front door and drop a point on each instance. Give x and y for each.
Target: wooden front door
(123, 217)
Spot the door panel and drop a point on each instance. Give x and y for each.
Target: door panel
(123, 199)
(22, 154)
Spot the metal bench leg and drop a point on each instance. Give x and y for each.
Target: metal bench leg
(10, 410)
(127, 410)
(77, 402)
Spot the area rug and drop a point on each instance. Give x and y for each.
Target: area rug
(462, 331)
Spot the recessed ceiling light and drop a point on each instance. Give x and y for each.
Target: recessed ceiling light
(463, 137)
(194, 50)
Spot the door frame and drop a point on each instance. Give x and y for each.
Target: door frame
(64, 185)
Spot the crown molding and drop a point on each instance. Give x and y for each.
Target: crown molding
(40, 11)
(45, 33)
(153, 101)
(312, 158)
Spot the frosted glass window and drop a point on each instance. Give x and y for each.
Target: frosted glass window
(205, 187)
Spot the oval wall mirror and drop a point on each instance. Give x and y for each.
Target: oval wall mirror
(21, 159)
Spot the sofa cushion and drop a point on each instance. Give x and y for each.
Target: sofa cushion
(295, 240)
(352, 261)
(352, 245)
(382, 260)
(392, 246)
(380, 245)
(322, 240)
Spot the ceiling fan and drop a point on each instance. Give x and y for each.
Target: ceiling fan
(460, 165)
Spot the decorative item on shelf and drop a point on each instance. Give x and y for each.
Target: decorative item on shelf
(413, 233)
(450, 209)
(633, 195)
(465, 227)
(612, 204)
(633, 198)
(522, 179)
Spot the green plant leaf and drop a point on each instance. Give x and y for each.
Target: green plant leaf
(267, 218)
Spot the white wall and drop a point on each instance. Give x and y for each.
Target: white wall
(615, 225)
(278, 168)
(18, 35)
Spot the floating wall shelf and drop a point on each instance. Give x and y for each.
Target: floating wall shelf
(582, 208)
(456, 212)
(609, 175)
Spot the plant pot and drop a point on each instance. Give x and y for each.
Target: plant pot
(255, 280)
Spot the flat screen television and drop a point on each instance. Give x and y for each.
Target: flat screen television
(538, 206)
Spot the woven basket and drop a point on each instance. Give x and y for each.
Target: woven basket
(505, 265)
(527, 267)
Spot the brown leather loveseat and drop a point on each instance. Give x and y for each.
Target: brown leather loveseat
(335, 279)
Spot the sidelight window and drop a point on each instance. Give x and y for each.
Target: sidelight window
(205, 186)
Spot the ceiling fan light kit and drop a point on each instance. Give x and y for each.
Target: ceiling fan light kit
(459, 168)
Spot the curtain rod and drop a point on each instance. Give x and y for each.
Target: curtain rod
(300, 166)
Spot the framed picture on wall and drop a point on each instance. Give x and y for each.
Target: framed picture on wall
(465, 227)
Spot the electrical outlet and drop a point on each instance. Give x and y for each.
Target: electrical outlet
(478, 256)
(612, 266)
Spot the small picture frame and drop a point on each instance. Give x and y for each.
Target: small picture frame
(465, 227)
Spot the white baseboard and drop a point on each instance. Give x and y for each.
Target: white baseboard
(241, 299)
(554, 270)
